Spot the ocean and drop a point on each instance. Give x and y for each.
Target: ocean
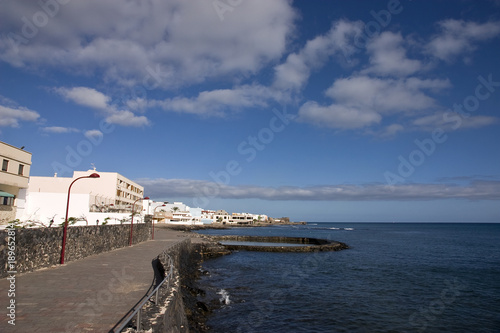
(396, 277)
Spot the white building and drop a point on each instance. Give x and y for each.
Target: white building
(241, 218)
(221, 216)
(261, 218)
(175, 213)
(16, 163)
(94, 199)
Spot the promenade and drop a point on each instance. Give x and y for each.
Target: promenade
(87, 295)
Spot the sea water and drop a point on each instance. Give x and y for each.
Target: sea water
(396, 277)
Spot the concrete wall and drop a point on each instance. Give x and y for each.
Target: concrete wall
(41, 247)
(43, 206)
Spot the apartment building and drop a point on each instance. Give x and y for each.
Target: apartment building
(110, 193)
(14, 175)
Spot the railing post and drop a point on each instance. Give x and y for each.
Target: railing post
(139, 326)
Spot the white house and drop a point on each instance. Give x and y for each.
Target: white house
(92, 199)
(175, 213)
(241, 218)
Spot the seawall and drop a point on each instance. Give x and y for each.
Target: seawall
(41, 247)
(178, 308)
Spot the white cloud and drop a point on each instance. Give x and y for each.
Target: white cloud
(127, 118)
(121, 41)
(59, 129)
(92, 98)
(475, 190)
(362, 101)
(452, 121)
(385, 95)
(460, 37)
(217, 102)
(388, 56)
(85, 96)
(337, 116)
(295, 71)
(93, 133)
(391, 130)
(10, 116)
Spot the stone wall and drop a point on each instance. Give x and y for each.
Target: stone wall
(174, 319)
(41, 247)
(179, 309)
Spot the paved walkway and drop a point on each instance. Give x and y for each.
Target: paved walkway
(87, 295)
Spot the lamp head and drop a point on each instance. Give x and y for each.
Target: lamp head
(94, 175)
(146, 198)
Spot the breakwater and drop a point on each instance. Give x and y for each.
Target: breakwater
(304, 244)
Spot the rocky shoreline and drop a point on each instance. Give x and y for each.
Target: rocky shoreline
(197, 311)
(198, 305)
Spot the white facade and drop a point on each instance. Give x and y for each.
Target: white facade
(14, 174)
(111, 195)
(241, 218)
(175, 213)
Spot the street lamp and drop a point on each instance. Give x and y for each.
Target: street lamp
(154, 213)
(94, 175)
(132, 220)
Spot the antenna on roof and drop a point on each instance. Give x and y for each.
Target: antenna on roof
(93, 165)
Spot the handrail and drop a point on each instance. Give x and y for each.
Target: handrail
(146, 298)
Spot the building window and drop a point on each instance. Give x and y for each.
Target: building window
(21, 170)
(6, 201)
(5, 165)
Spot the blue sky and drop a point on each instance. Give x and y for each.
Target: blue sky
(317, 110)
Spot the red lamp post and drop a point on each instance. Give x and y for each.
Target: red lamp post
(94, 175)
(154, 213)
(132, 220)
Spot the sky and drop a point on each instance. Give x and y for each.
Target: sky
(341, 111)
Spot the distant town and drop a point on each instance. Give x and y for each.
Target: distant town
(97, 198)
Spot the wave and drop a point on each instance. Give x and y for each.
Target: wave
(334, 228)
(224, 297)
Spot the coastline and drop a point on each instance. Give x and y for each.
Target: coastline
(190, 271)
(199, 301)
(195, 227)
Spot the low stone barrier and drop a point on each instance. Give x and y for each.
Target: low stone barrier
(307, 244)
(41, 247)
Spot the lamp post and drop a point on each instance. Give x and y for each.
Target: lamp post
(132, 220)
(154, 213)
(94, 175)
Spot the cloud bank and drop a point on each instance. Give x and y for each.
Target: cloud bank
(475, 190)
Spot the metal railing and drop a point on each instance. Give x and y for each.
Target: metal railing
(146, 298)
